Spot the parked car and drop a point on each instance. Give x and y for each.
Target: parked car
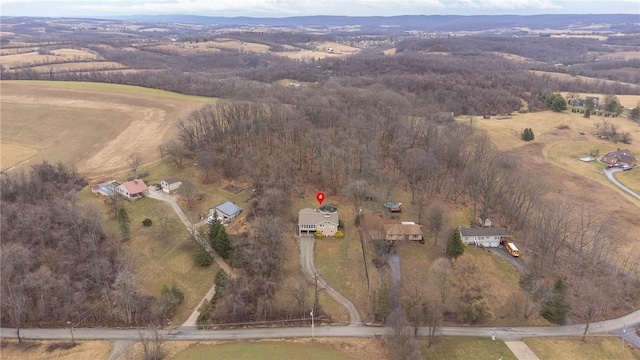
(626, 168)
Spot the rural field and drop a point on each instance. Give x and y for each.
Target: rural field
(561, 139)
(90, 125)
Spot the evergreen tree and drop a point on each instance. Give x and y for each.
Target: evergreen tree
(587, 113)
(222, 244)
(202, 257)
(455, 247)
(555, 306)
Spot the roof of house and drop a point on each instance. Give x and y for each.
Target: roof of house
(403, 229)
(228, 208)
(308, 216)
(622, 155)
(135, 186)
(172, 180)
(484, 231)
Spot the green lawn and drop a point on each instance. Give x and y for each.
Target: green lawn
(596, 348)
(261, 351)
(463, 348)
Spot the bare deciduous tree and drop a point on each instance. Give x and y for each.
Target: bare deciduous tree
(189, 192)
(164, 220)
(134, 160)
(151, 342)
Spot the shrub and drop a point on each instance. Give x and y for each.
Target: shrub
(147, 222)
(319, 234)
(339, 234)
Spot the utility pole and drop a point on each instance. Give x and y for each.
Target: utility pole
(313, 335)
(71, 331)
(624, 331)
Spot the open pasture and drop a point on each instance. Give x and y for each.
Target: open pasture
(552, 157)
(575, 77)
(92, 126)
(36, 58)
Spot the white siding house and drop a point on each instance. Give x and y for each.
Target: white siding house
(483, 236)
(171, 184)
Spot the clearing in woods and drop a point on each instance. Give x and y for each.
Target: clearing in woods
(90, 125)
(560, 140)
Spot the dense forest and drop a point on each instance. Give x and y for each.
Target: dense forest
(58, 265)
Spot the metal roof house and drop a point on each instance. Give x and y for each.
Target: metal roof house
(483, 236)
(226, 211)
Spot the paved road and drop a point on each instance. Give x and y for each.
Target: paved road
(629, 322)
(306, 261)
(609, 172)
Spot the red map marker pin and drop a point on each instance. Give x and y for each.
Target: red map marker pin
(320, 197)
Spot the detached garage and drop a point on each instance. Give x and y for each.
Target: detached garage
(483, 236)
(170, 185)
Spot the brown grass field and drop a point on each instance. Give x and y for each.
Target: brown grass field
(560, 140)
(90, 125)
(620, 55)
(10, 61)
(569, 77)
(37, 350)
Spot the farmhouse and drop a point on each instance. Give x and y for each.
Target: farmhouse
(405, 231)
(170, 184)
(312, 220)
(620, 157)
(483, 236)
(133, 190)
(226, 211)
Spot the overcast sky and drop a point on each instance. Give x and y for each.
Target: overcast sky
(283, 8)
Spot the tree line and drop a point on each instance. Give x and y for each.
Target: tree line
(58, 265)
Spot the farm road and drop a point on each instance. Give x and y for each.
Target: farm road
(192, 228)
(306, 261)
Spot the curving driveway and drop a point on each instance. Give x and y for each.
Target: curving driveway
(191, 322)
(609, 173)
(306, 261)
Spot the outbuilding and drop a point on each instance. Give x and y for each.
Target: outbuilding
(226, 211)
(170, 185)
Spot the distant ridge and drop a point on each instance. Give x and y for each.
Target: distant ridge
(417, 22)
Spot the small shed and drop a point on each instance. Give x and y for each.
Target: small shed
(393, 206)
(170, 184)
(226, 211)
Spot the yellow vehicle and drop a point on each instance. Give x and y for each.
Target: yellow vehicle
(512, 249)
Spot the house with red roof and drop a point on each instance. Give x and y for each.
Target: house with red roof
(133, 190)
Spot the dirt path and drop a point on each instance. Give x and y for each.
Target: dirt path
(306, 261)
